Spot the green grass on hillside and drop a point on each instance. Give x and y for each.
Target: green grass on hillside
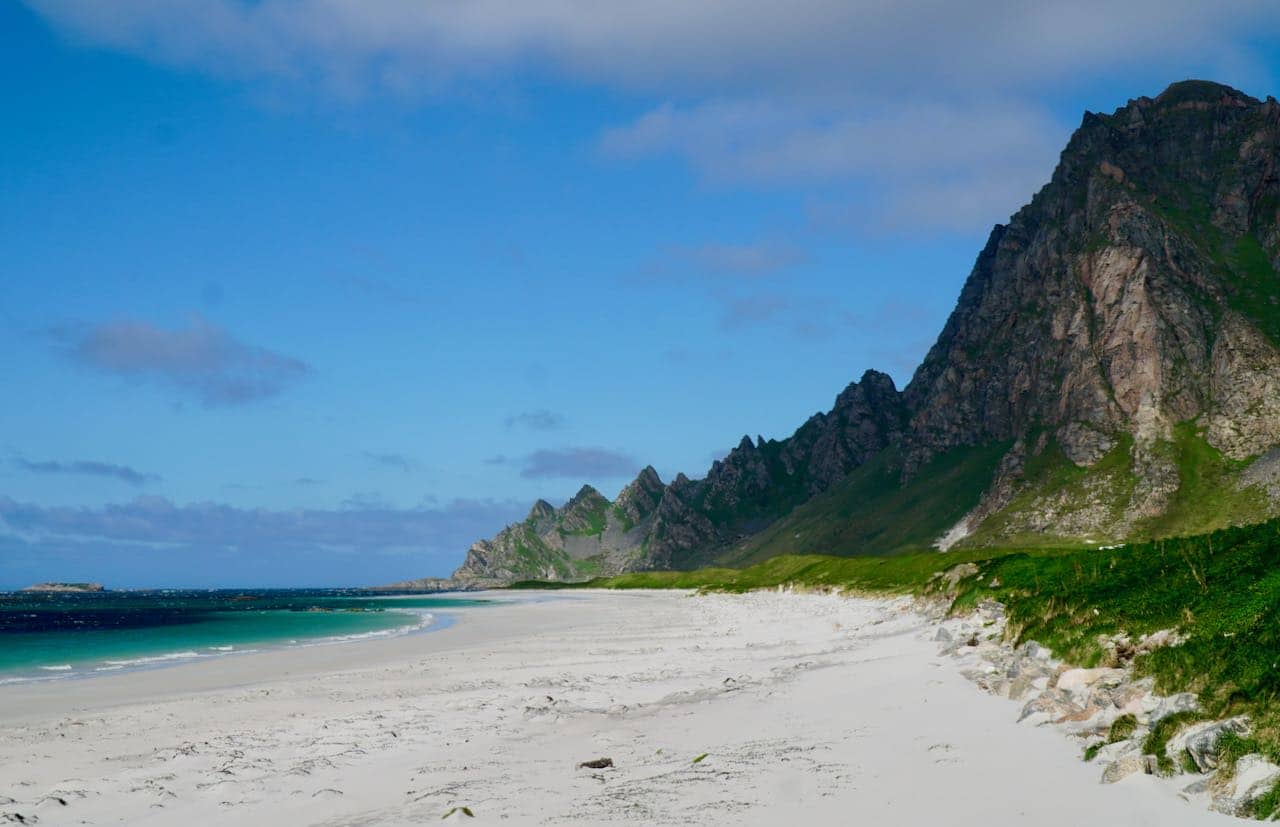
(1052, 481)
(1256, 286)
(898, 574)
(1208, 497)
(871, 512)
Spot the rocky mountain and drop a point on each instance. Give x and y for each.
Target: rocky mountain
(1111, 371)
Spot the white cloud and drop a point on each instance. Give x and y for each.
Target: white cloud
(932, 104)
(201, 359)
(708, 46)
(950, 165)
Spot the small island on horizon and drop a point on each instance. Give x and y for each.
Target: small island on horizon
(66, 587)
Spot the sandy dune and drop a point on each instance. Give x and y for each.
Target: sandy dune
(810, 710)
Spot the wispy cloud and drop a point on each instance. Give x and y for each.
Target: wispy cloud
(383, 290)
(202, 359)
(576, 463)
(363, 527)
(717, 261)
(89, 468)
(746, 311)
(992, 156)
(307, 482)
(398, 462)
(934, 107)
(752, 284)
(539, 420)
(712, 47)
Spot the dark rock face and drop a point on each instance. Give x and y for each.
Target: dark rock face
(1099, 307)
(640, 498)
(1135, 292)
(1130, 309)
(868, 415)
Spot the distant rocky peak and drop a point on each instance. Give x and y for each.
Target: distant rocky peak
(640, 497)
(647, 486)
(1201, 91)
(585, 513)
(586, 494)
(648, 479)
(541, 509)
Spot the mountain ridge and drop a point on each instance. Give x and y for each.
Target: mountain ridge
(1110, 371)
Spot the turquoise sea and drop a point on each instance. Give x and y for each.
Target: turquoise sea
(48, 636)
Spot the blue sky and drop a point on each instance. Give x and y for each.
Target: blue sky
(307, 293)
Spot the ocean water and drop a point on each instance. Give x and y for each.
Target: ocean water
(50, 636)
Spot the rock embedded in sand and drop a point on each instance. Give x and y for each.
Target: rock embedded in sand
(1128, 765)
(1200, 741)
(1254, 777)
(1074, 680)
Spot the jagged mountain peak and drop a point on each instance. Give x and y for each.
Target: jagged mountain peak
(639, 498)
(540, 510)
(648, 478)
(586, 494)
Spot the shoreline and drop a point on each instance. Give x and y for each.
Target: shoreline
(412, 620)
(428, 622)
(806, 706)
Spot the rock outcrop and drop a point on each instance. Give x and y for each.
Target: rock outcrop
(1109, 711)
(1111, 371)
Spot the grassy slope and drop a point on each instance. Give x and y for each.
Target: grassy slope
(1220, 590)
(1051, 480)
(1209, 496)
(871, 512)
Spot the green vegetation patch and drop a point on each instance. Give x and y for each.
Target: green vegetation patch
(1053, 480)
(1209, 495)
(1255, 287)
(872, 512)
(1122, 728)
(1157, 740)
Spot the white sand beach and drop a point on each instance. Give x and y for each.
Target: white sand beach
(810, 709)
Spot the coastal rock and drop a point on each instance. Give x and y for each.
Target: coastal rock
(1127, 766)
(1200, 741)
(1161, 708)
(1077, 680)
(1036, 651)
(1254, 776)
(1110, 753)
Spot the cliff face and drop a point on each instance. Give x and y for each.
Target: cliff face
(1132, 307)
(1122, 295)
(1110, 371)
